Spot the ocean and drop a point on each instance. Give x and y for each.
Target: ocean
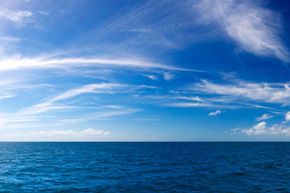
(174, 167)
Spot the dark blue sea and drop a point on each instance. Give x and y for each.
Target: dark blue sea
(144, 167)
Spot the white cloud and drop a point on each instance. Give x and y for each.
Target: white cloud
(257, 129)
(56, 135)
(195, 104)
(215, 113)
(51, 104)
(35, 116)
(191, 102)
(152, 77)
(115, 113)
(191, 98)
(262, 92)
(28, 119)
(9, 39)
(168, 76)
(262, 129)
(18, 17)
(40, 63)
(90, 88)
(6, 95)
(264, 117)
(69, 133)
(254, 28)
(287, 116)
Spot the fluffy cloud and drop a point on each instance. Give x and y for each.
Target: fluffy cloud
(287, 116)
(262, 129)
(257, 129)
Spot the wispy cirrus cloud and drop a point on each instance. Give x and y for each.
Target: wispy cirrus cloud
(52, 104)
(181, 104)
(260, 92)
(39, 120)
(254, 28)
(108, 114)
(40, 63)
(37, 115)
(89, 88)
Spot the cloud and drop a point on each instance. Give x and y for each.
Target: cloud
(9, 39)
(196, 104)
(90, 88)
(264, 117)
(259, 92)
(115, 113)
(200, 96)
(6, 95)
(18, 17)
(191, 98)
(36, 120)
(215, 113)
(262, 129)
(257, 129)
(40, 63)
(56, 135)
(152, 77)
(35, 116)
(287, 116)
(168, 76)
(51, 104)
(69, 133)
(254, 28)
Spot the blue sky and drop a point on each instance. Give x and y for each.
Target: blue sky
(192, 70)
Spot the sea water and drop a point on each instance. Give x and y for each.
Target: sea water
(144, 167)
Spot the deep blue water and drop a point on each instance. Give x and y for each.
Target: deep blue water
(145, 167)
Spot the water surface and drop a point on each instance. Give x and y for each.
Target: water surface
(144, 167)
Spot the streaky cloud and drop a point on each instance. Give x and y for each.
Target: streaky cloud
(40, 63)
(259, 92)
(264, 117)
(51, 104)
(215, 113)
(254, 28)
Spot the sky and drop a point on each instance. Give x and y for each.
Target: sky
(144, 70)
